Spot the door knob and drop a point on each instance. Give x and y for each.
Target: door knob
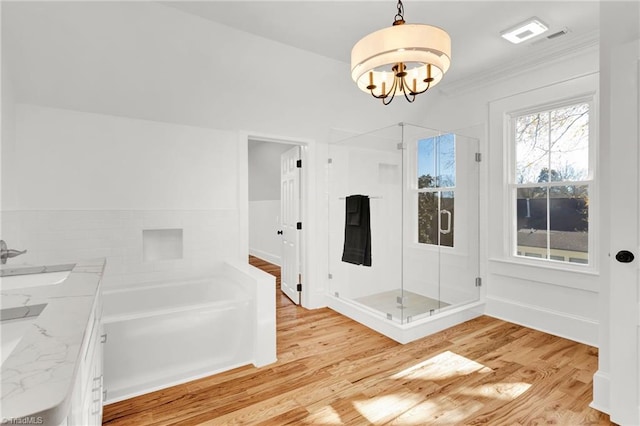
(625, 256)
(279, 232)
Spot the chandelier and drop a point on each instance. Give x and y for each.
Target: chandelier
(404, 58)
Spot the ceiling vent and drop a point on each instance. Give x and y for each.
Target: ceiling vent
(524, 30)
(557, 34)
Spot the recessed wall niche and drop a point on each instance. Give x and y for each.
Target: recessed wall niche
(161, 244)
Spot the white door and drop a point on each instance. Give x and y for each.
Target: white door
(624, 359)
(290, 222)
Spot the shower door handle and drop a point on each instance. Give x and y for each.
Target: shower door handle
(448, 213)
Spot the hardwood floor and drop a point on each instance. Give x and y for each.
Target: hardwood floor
(332, 371)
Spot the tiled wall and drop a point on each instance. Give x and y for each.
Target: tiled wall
(60, 236)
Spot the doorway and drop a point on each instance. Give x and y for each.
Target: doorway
(275, 209)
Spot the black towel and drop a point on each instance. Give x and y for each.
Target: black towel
(354, 204)
(357, 231)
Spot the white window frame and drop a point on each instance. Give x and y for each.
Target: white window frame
(415, 191)
(590, 181)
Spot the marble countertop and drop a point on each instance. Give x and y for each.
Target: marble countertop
(38, 377)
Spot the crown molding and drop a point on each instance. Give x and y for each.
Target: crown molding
(561, 51)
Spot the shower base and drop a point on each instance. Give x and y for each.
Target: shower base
(402, 304)
(408, 331)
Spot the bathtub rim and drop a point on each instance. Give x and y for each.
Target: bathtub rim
(110, 319)
(167, 283)
(239, 299)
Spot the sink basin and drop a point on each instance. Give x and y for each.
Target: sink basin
(32, 280)
(12, 332)
(14, 322)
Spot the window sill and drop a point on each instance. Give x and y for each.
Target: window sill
(581, 278)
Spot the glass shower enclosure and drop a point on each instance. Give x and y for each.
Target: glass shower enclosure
(422, 189)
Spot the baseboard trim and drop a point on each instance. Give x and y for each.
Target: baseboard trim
(572, 327)
(601, 386)
(269, 257)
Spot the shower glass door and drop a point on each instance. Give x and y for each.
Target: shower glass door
(422, 189)
(440, 259)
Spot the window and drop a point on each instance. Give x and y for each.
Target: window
(436, 183)
(552, 183)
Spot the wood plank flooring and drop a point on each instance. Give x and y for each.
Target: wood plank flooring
(334, 371)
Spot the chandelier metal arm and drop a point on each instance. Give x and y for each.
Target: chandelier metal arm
(420, 91)
(404, 92)
(391, 92)
(384, 95)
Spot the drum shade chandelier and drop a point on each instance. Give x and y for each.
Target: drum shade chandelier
(404, 58)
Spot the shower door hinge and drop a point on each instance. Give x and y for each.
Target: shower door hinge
(299, 287)
(478, 282)
(299, 225)
(400, 145)
(330, 276)
(478, 157)
(329, 160)
(299, 164)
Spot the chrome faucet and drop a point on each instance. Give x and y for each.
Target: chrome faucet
(6, 253)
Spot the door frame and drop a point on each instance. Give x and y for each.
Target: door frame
(616, 381)
(309, 297)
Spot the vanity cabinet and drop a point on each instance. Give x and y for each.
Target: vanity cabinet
(52, 372)
(87, 396)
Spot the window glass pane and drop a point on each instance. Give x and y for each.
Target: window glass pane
(447, 218)
(437, 162)
(532, 148)
(446, 166)
(569, 222)
(570, 143)
(427, 163)
(531, 227)
(428, 218)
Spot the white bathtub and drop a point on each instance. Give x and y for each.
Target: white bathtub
(163, 334)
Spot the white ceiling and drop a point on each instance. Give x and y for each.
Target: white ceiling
(180, 62)
(331, 28)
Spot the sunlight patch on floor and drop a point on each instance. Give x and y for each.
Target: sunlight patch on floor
(375, 409)
(438, 410)
(442, 366)
(326, 415)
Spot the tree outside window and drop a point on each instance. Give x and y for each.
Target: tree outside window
(552, 184)
(436, 190)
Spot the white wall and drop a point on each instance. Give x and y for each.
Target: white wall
(264, 199)
(532, 296)
(82, 185)
(74, 160)
(7, 119)
(154, 62)
(146, 61)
